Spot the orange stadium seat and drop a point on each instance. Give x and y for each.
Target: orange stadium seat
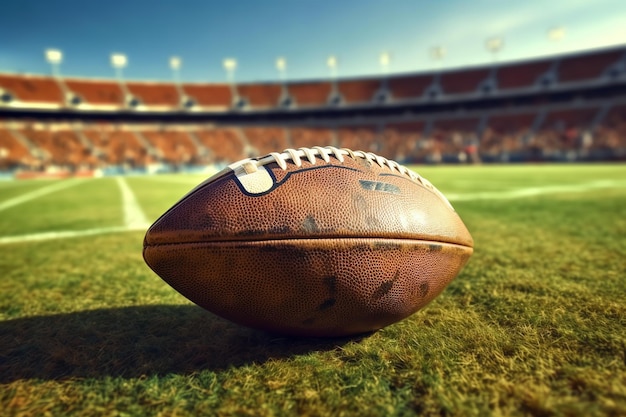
(399, 140)
(310, 93)
(568, 118)
(616, 118)
(521, 75)
(359, 91)
(507, 123)
(210, 95)
(307, 137)
(505, 133)
(30, 88)
(412, 86)
(612, 133)
(455, 134)
(587, 67)
(155, 94)
(364, 138)
(561, 130)
(266, 139)
(465, 81)
(260, 95)
(175, 145)
(12, 152)
(59, 145)
(224, 142)
(466, 124)
(97, 91)
(120, 146)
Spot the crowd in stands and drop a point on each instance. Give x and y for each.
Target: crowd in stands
(555, 135)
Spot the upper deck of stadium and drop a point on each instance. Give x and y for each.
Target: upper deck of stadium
(594, 69)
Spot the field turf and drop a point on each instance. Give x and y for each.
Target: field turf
(534, 325)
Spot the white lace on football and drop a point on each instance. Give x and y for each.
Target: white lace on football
(296, 156)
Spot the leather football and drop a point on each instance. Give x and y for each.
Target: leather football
(311, 242)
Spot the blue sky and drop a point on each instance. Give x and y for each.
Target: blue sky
(203, 33)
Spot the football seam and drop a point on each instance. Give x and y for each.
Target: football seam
(364, 238)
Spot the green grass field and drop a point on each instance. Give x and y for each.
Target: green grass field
(534, 325)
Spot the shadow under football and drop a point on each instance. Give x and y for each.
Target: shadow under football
(135, 341)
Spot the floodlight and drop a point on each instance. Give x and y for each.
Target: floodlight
(54, 56)
(230, 64)
(556, 33)
(118, 60)
(331, 62)
(175, 63)
(438, 52)
(494, 45)
(281, 64)
(384, 59)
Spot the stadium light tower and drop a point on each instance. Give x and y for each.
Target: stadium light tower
(230, 65)
(494, 45)
(281, 66)
(555, 35)
(383, 94)
(285, 99)
(385, 60)
(438, 53)
(175, 64)
(332, 63)
(55, 58)
(119, 62)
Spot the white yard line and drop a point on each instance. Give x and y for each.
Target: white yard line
(134, 217)
(38, 193)
(175, 180)
(135, 220)
(66, 234)
(535, 191)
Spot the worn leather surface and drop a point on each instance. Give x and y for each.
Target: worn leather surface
(324, 249)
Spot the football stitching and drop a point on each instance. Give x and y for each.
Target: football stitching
(296, 155)
(278, 183)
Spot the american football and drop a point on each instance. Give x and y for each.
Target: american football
(313, 208)
(311, 242)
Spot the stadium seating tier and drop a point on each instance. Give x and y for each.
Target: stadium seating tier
(310, 94)
(587, 67)
(157, 94)
(359, 91)
(407, 87)
(260, 95)
(98, 92)
(36, 89)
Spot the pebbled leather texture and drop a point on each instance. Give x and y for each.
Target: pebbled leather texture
(326, 249)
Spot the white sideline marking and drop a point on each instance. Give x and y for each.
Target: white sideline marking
(176, 180)
(134, 217)
(139, 222)
(67, 234)
(534, 191)
(38, 193)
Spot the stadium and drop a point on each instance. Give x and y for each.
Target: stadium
(529, 151)
(565, 108)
